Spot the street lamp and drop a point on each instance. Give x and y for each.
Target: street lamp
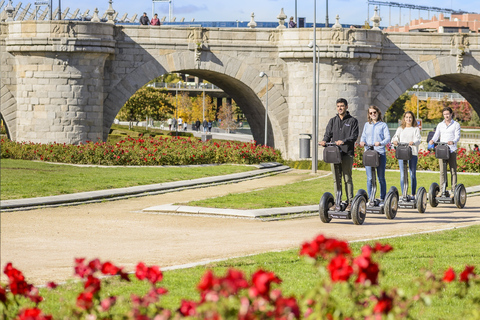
(314, 108)
(418, 102)
(203, 86)
(176, 107)
(262, 74)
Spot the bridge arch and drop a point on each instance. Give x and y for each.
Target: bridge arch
(8, 111)
(443, 69)
(236, 77)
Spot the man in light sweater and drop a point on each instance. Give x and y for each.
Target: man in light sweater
(448, 131)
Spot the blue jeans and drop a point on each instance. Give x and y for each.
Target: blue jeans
(381, 177)
(412, 168)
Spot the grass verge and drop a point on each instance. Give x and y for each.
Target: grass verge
(412, 255)
(309, 192)
(27, 179)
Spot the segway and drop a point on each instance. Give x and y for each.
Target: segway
(442, 151)
(331, 154)
(404, 152)
(371, 158)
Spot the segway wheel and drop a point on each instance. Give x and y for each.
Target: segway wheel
(394, 189)
(421, 200)
(326, 202)
(460, 196)
(359, 209)
(432, 194)
(363, 193)
(391, 205)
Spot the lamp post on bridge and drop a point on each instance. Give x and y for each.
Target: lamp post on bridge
(176, 107)
(418, 102)
(263, 74)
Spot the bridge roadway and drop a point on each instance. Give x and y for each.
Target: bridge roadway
(43, 243)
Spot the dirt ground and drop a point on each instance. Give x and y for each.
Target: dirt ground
(43, 243)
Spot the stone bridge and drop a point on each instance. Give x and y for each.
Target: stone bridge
(66, 81)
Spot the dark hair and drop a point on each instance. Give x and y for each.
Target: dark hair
(378, 112)
(414, 121)
(341, 100)
(447, 109)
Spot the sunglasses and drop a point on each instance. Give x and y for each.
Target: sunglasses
(373, 112)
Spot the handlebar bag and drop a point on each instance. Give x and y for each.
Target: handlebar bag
(371, 158)
(403, 152)
(442, 151)
(331, 154)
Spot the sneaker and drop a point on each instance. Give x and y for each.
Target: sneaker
(332, 208)
(349, 207)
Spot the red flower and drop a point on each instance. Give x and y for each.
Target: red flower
(207, 282)
(449, 275)
(154, 274)
(384, 304)
(340, 269)
(284, 307)
(52, 285)
(188, 308)
(3, 294)
(92, 284)
(261, 283)
(85, 300)
(32, 314)
(383, 248)
(109, 268)
(233, 282)
(366, 269)
(141, 271)
(107, 303)
(465, 275)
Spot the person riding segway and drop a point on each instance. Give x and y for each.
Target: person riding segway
(448, 131)
(407, 138)
(333, 207)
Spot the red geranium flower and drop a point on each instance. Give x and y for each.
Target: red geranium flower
(449, 275)
(384, 304)
(33, 314)
(340, 269)
(85, 300)
(188, 308)
(467, 273)
(261, 283)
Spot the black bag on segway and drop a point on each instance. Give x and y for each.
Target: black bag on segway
(371, 158)
(442, 151)
(331, 154)
(403, 152)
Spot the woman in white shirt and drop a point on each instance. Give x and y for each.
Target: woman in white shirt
(408, 132)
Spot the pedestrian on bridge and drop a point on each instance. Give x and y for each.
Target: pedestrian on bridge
(144, 21)
(197, 125)
(205, 125)
(155, 21)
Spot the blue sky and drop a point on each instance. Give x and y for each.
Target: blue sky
(350, 11)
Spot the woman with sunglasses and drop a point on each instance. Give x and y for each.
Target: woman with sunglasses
(408, 132)
(376, 133)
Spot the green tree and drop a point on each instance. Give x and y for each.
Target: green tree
(397, 109)
(147, 102)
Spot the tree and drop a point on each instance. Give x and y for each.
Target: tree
(197, 107)
(147, 102)
(226, 116)
(397, 109)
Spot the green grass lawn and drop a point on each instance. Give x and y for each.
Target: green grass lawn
(310, 191)
(400, 268)
(27, 179)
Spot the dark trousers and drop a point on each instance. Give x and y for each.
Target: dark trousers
(452, 163)
(346, 165)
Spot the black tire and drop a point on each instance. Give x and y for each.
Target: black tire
(421, 200)
(394, 189)
(433, 193)
(326, 202)
(363, 193)
(391, 205)
(460, 196)
(359, 209)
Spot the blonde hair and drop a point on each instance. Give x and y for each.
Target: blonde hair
(414, 121)
(379, 113)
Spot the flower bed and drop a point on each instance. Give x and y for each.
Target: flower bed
(143, 151)
(467, 161)
(236, 296)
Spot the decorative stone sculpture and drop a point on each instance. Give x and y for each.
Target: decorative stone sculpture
(337, 24)
(110, 12)
(10, 9)
(376, 19)
(95, 17)
(252, 23)
(281, 20)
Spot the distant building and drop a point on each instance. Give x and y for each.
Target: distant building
(457, 23)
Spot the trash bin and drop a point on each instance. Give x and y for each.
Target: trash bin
(305, 146)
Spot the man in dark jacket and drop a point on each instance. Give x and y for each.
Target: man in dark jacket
(144, 21)
(343, 131)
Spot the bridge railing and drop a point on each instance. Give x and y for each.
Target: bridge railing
(422, 95)
(184, 85)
